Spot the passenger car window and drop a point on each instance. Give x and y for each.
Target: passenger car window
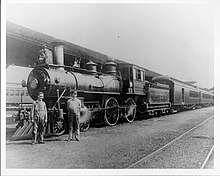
(22, 92)
(11, 92)
(16, 92)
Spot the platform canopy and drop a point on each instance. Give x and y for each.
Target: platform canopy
(28, 41)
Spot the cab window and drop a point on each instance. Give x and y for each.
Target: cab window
(138, 75)
(134, 73)
(142, 76)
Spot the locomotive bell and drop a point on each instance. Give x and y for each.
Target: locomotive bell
(91, 66)
(58, 52)
(110, 67)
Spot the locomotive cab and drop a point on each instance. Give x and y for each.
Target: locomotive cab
(133, 79)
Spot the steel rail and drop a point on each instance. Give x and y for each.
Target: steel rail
(158, 150)
(207, 157)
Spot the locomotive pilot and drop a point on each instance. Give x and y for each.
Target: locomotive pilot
(74, 107)
(38, 118)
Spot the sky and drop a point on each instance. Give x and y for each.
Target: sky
(172, 39)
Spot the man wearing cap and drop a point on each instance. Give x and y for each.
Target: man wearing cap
(74, 107)
(38, 118)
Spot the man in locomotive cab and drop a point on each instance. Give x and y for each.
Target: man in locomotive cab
(38, 118)
(41, 56)
(77, 62)
(45, 56)
(74, 108)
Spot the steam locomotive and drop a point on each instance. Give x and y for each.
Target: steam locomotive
(115, 91)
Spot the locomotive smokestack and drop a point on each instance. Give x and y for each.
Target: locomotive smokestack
(58, 52)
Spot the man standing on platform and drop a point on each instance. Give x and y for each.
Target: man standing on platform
(38, 118)
(74, 107)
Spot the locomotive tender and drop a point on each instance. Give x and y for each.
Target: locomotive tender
(112, 92)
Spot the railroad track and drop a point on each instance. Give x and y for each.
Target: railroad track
(134, 165)
(207, 158)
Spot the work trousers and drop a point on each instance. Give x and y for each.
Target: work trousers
(73, 123)
(38, 129)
